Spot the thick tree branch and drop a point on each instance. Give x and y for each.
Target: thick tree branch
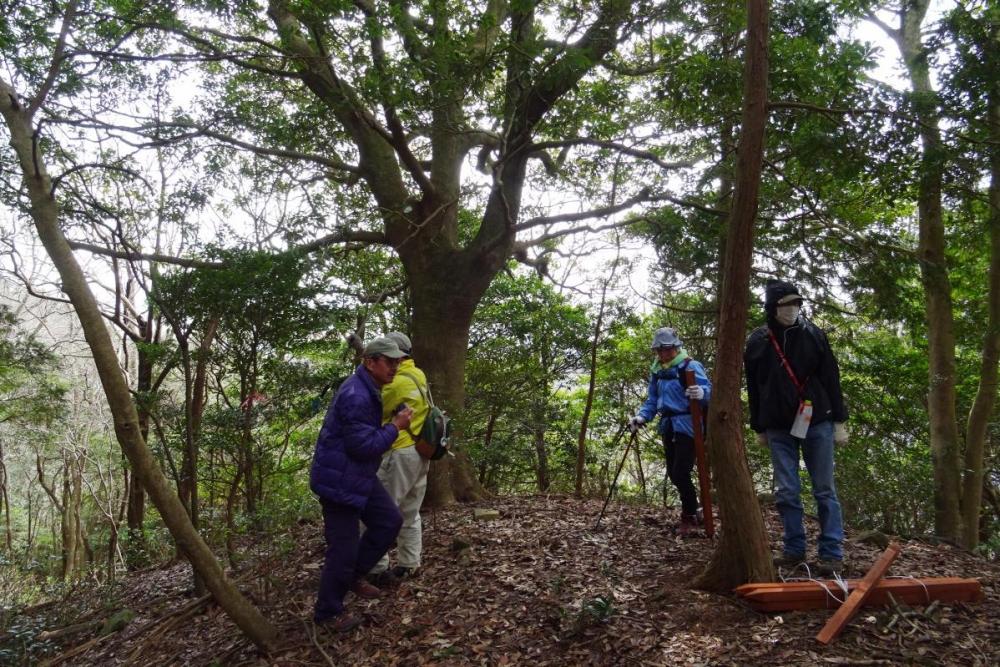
(643, 196)
(399, 141)
(364, 237)
(377, 158)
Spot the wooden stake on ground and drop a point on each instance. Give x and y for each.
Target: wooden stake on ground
(704, 479)
(843, 615)
(814, 594)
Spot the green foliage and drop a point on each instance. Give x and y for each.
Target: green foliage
(30, 392)
(525, 349)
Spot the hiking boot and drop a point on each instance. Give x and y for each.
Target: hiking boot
(789, 561)
(383, 580)
(400, 572)
(365, 590)
(342, 622)
(688, 524)
(829, 568)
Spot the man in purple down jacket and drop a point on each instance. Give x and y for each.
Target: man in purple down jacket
(348, 452)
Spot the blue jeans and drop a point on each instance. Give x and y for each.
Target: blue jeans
(817, 451)
(350, 555)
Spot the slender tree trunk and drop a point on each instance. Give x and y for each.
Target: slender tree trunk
(82, 552)
(136, 515)
(199, 398)
(68, 531)
(982, 406)
(5, 500)
(542, 461)
(742, 553)
(581, 440)
(945, 439)
(484, 466)
(29, 542)
(45, 214)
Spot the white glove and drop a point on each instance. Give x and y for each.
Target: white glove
(695, 391)
(762, 439)
(840, 433)
(635, 424)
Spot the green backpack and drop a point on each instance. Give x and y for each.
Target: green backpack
(432, 441)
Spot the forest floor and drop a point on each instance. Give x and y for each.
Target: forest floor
(539, 586)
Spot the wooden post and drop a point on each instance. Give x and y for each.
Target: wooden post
(840, 619)
(704, 479)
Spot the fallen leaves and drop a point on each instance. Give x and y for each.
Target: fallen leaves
(538, 586)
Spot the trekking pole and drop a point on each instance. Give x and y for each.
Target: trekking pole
(621, 465)
(704, 480)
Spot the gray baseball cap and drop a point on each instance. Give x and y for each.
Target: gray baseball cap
(402, 340)
(385, 347)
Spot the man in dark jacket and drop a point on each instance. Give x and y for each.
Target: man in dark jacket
(348, 452)
(791, 369)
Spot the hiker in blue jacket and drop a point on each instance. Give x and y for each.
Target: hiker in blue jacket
(348, 453)
(670, 397)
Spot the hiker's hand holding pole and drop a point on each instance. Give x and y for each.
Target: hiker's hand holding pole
(635, 424)
(695, 392)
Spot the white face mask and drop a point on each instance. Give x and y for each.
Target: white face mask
(786, 315)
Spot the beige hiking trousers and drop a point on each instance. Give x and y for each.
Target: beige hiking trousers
(403, 473)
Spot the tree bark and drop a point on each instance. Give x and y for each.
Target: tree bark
(581, 441)
(742, 553)
(45, 214)
(136, 514)
(985, 400)
(441, 322)
(5, 501)
(542, 467)
(945, 439)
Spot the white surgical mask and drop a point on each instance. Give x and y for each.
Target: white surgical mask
(786, 315)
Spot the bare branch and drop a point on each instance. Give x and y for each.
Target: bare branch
(604, 212)
(312, 246)
(621, 148)
(135, 256)
(322, 160)
(57, 59)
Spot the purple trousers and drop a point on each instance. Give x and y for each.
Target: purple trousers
(350, 555)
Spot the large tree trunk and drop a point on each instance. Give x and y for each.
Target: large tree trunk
(982, 407)
(45, 214)
(442, 317)
(945, 439)
(742, 553)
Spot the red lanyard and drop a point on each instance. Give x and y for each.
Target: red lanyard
(799, 386)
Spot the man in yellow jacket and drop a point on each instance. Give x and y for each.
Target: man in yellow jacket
(403, 472)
